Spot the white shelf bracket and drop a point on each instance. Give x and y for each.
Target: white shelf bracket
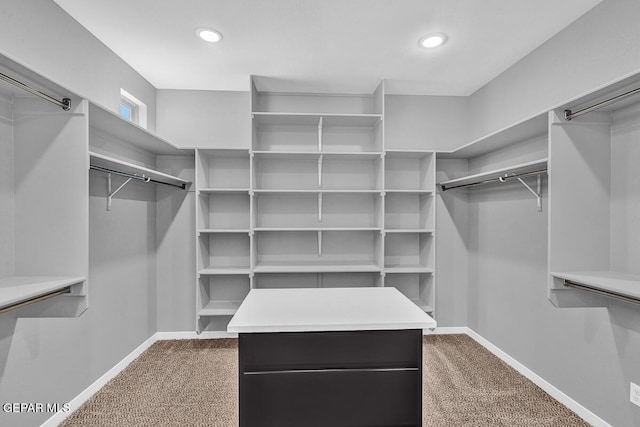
(320, 135)
(319, 207)
(110, 193)
(320, 159)
(319, 243)
(537, 194)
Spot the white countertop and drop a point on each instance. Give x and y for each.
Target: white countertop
(327, 309)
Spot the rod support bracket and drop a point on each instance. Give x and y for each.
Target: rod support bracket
(67, 104)
(567, 115)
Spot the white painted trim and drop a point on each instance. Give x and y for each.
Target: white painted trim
(580, 410)
(449, 330)
(567, 401)
(192, 335)
(59, 417)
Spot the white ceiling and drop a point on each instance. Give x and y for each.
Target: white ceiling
(327, 46)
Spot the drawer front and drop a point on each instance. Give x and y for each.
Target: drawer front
(354, 398)
(328, 350)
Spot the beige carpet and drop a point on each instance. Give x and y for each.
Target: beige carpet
(194, 383)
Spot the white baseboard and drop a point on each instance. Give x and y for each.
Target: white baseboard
(192, 335)
(580, 410)
(59, 417)
(449, 330)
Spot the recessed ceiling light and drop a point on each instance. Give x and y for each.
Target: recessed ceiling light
(433, 40)
(209, 35)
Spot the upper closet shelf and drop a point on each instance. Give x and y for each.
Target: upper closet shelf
(16, 292)
(534, 167)
(301, 155)
(525, 131)
(109, 164)
(607, 283)
(311, 119)
(110, 123)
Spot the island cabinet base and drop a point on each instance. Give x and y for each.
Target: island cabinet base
(344, 378)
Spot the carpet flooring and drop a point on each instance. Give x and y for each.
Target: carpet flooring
(194, 383)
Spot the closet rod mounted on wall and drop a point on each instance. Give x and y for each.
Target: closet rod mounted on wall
(132, 176)
(20, 304)
(610, 294)
(65, 104)
(501, 179)
(568, 114)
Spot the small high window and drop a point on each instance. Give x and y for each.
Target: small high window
(132, 109)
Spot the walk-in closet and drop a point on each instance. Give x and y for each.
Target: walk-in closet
(380, 213)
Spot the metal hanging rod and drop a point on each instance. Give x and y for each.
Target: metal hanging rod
(610, 294)
(501, 179)
(20, 304)
(65, 104)
(568, 114)
(133, 176)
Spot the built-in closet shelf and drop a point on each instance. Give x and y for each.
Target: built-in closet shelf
(408, 269)
(278, 229)
(207, 231)
(220, 308)
(292, 155)
(409, 191)
(116, 165)
(535, 127)
(533, 166)
(330, 267)
(207, 191)
(314, 191)
(224, 271)
(110, 123)
(16, 290)
(311, 119)
(612, 282)
(409, 230)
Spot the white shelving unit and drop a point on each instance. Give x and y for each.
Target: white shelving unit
(316, 202)
(593, 195)
(44, 221)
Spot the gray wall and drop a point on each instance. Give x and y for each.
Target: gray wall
(602, 46)
(41, 36)
(7, 223)
(591, 354)
(426, 122)
(176, 248)
(205, 119)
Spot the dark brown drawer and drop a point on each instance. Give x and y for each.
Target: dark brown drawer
(320, 350)
(354, 398)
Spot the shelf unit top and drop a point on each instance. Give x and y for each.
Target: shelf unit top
(130, 168)
(611, 281)
(14, 290)
(221, 271)
(319, 228)
(527, 130)
(327, 309)
(496, 173)
(313, 119)
(408, 154)
(209, 190)
(328, 267)
(293, 155)
(110, 123)
(313, 191)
